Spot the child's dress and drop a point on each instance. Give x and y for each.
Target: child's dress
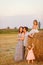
(30, 55)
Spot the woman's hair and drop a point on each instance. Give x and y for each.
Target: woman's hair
(35, 21)
(19, 29)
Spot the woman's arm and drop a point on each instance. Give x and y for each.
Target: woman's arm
(22, 37)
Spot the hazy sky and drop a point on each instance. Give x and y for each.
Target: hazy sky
(10, 8)
(20, 7)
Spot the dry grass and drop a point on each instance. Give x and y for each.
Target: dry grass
(7, 48)
(37, 40)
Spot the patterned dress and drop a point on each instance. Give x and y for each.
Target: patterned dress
(30, 55)
(19, 50)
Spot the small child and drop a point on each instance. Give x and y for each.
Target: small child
(35, 24)
(34, 28)
(30, 55)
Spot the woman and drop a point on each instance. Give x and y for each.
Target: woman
(19, 47)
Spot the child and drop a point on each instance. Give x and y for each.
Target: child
(35, 24)
(30, 55)
(34, 28)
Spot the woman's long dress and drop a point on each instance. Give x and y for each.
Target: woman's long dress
(19, 50)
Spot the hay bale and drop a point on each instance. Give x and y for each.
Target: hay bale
(37, 40)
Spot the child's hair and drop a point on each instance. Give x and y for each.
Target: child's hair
(30, 46)
(36, 22)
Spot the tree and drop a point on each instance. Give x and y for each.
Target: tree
(39, 25)
(15, 28)
(8, 27)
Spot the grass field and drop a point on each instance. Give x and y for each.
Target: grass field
(7, 49)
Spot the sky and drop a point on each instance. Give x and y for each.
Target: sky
(20, 12)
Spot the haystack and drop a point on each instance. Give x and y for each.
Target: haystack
(37, 40)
